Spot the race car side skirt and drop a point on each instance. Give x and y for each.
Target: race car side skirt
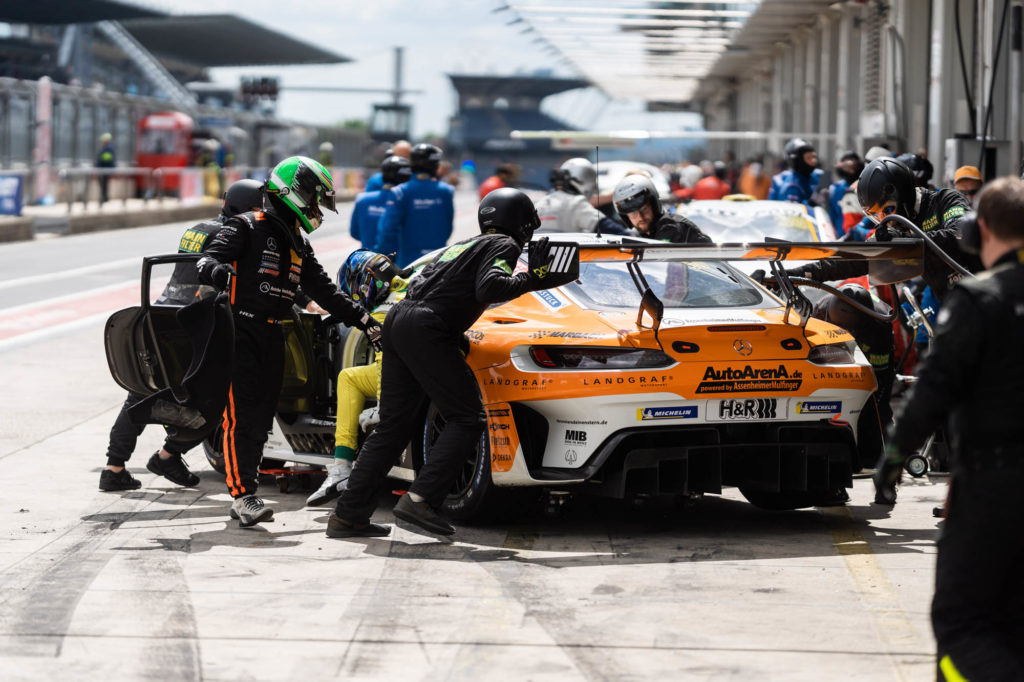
(679, 460)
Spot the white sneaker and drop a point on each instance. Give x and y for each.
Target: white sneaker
(369, 418)
(250, 510)
(336, 481)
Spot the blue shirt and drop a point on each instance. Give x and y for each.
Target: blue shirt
(419, 219)
(835, 209)
(366, 215)
(792, 186)
(375, 183)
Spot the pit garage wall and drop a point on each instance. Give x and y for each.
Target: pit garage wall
(862, 78)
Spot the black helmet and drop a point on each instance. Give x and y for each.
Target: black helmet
(919, 166)
(720, 169)
(630, 195)
(884, 180)
(794, 152)
(391, 170)
(842, 314)
(425, 158)
(242, 196)
(508, 211)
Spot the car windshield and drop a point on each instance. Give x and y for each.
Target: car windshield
(729, 226)
(694, 284)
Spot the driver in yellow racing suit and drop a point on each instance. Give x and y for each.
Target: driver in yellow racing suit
(368, 278)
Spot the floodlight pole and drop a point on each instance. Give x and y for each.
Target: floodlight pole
(398, 75)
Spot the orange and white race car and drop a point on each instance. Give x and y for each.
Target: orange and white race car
(666, 371)
(663, 370)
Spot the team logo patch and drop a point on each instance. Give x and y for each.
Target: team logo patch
(550, 300)
(680, 412)
(819, 407)
(732, 380)
(271, 243)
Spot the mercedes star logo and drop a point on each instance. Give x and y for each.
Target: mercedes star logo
(742, 347)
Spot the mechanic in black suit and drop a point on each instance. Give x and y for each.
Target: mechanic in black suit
(637, 203)
(422, 357)
(972, 379)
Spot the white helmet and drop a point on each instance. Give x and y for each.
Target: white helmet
(582, 175)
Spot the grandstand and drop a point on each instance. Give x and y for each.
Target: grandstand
(491, 107)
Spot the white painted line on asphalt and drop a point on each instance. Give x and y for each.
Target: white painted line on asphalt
(52, 332)
(67, 274)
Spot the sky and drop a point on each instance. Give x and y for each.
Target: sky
(439, 37)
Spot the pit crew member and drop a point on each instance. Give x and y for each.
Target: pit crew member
(369, 206)
(636, 201)
(972, 380)
(422, 357)
(567, 207)
(421, 215)
(244, 195)
(800, 181)
(269, 258)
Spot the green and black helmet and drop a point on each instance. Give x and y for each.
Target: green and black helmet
(303, 185)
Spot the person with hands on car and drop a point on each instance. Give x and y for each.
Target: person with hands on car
(369, 278)
(423, 358)
(262, 258)
(972, 379)
(887, 187)
(183, 287)
(636, 201)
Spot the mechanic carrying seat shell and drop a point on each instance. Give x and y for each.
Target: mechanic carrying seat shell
(183, 287)
(636, 201)
(422, 357)
(369, 278)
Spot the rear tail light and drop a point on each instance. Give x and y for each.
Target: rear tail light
(832, 354)
(589, 357)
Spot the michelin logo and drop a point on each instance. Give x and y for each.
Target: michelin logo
(681, 412)
(551, 301)
(819, 407)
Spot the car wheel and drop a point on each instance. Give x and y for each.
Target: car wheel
(473, 497)
(213, 448)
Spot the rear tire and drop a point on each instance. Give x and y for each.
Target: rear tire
(213, 448)
(474, 497)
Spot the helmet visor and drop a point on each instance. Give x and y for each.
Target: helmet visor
(632, 204)
(879, 212)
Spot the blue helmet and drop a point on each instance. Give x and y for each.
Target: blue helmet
(357, 279)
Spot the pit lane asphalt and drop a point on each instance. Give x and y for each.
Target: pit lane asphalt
(159, 584)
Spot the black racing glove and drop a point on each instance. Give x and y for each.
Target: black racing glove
(221, 276)
(539, 260)
(887, 475)
(372, 329)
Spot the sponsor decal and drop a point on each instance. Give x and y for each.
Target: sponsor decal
(571, 456)
(733, 380)
(192, 241)
(679, 412)
(265, 287)
(497, 441)
(953, 213)
(521, 383)
(498, 426)
(836, 333)
(575, 437)
(650, 380)
(502, 265)
(854, 374)
(749, 409)
(565, 335)
(602, 422)
(454, 251)
(549, 299)
(498, 412)
(501, 457)
(474, 336)
(819, 407)
(271, 243)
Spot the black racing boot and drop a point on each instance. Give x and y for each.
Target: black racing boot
(421, 514)
(338, 527)
(121, 480)
(173, 469)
